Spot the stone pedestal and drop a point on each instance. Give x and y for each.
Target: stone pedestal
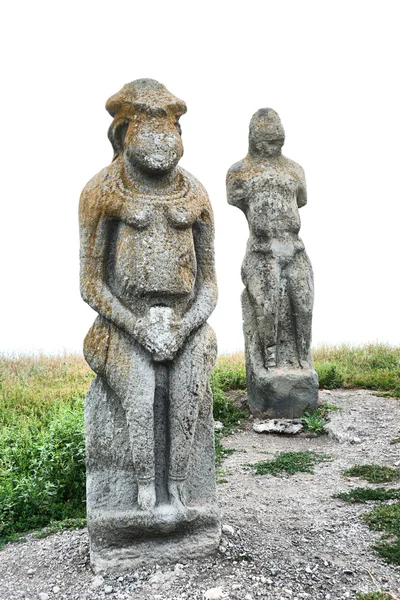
(122, 537)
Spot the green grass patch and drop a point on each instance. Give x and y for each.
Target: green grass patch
(290, 463)
(229, 374)
(386, 519)
(220, 451)
(371, 366)
(373, 473)
(57, 526)
(367, 494)
(374, 596)
(42, 474)
(225, 410)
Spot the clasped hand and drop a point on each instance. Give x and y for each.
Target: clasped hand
(160, 332)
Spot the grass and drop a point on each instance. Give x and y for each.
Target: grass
(371, 366)
(373, 473)
(374, 596)
(229, 374)
(42, 449)
(386, 518)
(368, 494)
(56, 526)
(316, 420)
(220, 451)
(290, 463)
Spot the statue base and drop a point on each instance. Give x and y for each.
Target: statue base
(125, 541)
(281, 392)
(123, 537)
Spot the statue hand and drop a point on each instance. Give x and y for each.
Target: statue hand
(160, 332)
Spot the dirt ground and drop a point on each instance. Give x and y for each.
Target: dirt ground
(284, 537)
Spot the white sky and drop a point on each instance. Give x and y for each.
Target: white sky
(330, 69)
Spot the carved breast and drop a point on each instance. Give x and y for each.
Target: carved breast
(154, 251)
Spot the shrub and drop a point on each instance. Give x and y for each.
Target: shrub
(42, 474)
(329, 375)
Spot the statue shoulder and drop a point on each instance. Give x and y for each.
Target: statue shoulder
(98, 195)
(198, 195)
(295, 170)
(238, 171)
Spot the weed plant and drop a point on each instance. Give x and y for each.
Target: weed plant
(386, 518)
(290, 463)
(373, 473)
(374, 596)
(368, 494)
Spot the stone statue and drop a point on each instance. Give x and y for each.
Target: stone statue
(147, 269)
(278, 297)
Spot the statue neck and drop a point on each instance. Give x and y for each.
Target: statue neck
(164, 183)
(256, 157)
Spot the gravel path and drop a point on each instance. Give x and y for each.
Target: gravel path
(284, 537)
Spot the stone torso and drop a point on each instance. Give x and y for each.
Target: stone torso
(151, 252)
(268, 195)
(272, 208)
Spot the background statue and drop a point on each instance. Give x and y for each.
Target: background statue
(278, 297)
(147, 268)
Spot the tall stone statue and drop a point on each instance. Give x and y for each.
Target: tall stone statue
(147, 269)
(277, 301)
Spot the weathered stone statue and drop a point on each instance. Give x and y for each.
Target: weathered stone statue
(278, 297)
(147, 268)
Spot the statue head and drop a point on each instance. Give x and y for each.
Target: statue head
(146, 126)
(266, 134)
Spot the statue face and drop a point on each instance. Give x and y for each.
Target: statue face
(153, 142)
(265, 147)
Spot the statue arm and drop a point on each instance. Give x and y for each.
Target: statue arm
(93, 224)
(235, 188)
(302, 192)
(206, 292)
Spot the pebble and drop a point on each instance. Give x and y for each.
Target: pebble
(43, 596)
(97, 583)
(228, 529)
(108, 589)
(214, 593)
(56, 589)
